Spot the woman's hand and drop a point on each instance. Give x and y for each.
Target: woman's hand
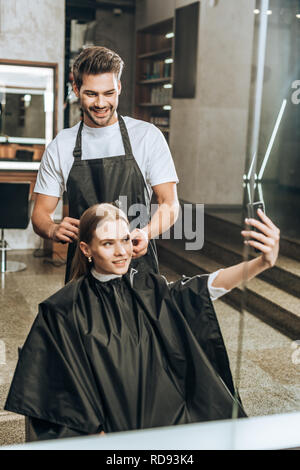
(267, 241)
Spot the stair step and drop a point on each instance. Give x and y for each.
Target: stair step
(276, 307)
(230, 225)
(229, 229)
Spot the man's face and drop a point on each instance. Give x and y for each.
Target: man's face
(99, 99)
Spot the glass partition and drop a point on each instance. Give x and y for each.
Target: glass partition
(268, 359)
(274, 135)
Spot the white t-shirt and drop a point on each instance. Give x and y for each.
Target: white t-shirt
(149, 147)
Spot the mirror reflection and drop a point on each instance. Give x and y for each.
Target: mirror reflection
(269, 366)
(30, 119)
(26, 111)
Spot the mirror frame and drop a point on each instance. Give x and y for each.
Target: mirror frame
(50, 65)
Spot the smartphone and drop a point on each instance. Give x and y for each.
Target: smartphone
(252, 214)
(252, 209)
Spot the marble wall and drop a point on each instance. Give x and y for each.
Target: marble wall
(33, 30)
(208, 137)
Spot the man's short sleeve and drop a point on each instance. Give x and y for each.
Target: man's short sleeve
(49, 179)
(160, 165)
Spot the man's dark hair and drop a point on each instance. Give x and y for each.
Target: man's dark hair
(95, 60)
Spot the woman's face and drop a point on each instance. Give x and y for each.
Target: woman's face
(111, 247)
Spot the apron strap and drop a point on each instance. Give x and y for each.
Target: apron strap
(77, 152)
(77, 148)
(125, 136)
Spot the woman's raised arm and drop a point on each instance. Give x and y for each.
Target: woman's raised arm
(266, 240)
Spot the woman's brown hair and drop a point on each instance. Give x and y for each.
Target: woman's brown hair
(89, 221)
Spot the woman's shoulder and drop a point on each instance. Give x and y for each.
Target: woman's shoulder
(182, 281)
(180, 287)
(65, 297)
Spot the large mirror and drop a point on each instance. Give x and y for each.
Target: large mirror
(235, 143)
(269, 359)
(27, 109)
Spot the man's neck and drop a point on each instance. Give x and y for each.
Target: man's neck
(87, 121)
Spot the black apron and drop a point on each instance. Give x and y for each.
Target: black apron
(109, 179)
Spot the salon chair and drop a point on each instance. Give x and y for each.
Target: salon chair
(14, 214)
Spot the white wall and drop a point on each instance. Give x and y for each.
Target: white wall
(208, 135)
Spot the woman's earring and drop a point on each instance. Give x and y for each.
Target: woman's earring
(90, 259)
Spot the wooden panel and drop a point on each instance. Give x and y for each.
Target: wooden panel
(8, 151)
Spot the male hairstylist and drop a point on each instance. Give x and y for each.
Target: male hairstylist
(105, 158)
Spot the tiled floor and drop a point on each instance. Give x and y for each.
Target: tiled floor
(20, 294)
(269, 380)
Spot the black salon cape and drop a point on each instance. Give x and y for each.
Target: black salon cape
(132, 353)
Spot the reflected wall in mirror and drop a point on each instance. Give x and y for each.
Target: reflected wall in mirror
(27, 109)
(270, 374)
(275, 134)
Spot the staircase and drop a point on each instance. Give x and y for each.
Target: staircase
(273, 296)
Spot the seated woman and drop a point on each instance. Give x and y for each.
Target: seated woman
(116, 349)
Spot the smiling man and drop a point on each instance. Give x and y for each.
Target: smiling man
(99, 99)
(106, 157)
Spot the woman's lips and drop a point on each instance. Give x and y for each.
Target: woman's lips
(120, 262)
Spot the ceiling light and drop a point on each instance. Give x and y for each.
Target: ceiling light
(170, 35)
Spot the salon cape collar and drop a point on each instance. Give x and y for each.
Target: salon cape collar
(104, 277)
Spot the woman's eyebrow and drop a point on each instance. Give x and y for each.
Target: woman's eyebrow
(114, 239)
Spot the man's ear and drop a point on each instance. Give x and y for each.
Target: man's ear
(119, 87)
(75, 89)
